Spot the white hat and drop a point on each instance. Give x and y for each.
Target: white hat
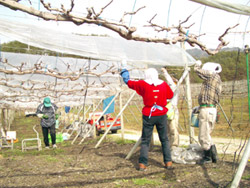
(213, 67)
(151, 77)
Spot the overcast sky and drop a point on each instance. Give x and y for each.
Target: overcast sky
(213, 22)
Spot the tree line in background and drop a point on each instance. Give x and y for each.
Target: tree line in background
(18, 47)
(233, 62)
(233, 66)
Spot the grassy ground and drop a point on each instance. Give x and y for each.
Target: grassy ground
(236, 118)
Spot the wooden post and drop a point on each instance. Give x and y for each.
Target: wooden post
(122, 123)
(241, 166)
(64, 118)
(68, 120)
(79, 111)
(133, 114)
(103, 112)
(1, 128)
(106, 132)
(189, 101)
(86, 122)
(8, 118)
(94, 129)
(5, 117)
(133, 149)
(105, 122)
(84, 115)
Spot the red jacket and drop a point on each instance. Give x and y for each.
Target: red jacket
(152, 95)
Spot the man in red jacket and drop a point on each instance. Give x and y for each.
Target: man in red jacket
(155, 93)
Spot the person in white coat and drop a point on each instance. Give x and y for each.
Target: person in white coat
(173, 113)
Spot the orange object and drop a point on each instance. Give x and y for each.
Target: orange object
(100, 126)
(14, 141)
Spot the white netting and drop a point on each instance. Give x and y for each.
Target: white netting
(99, 77)
(97, 47)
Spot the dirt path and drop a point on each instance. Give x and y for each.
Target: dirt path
(224, 145)
(75, 166)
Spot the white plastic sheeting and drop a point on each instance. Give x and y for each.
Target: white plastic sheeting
(189, 155)
(27, 91)
(227, 6)
(97, 47)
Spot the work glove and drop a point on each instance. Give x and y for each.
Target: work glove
(198, 63)
(57, 116)
(125, 75)
(164, 70)
(124, 64)
(40, 115)
(45, 116)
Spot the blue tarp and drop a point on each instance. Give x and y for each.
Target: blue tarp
(67, 109)
(106, 102)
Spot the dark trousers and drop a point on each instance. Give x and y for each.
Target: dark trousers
(147, 130)
(46, 131)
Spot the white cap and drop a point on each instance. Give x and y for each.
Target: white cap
(151, 77)
(213, 67)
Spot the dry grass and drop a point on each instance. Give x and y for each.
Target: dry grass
(236, 112)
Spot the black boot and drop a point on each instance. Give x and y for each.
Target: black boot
(214, 154)
(206, 158)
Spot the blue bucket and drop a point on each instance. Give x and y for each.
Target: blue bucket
(195, 120)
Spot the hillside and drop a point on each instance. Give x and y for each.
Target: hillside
(232, 60)
(198, 53)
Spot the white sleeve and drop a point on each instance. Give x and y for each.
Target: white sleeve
(170, 81)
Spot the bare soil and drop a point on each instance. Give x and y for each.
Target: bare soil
(84, 166)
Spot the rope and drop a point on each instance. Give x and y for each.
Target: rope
(87, 83)
(169, 8)
(85, 94)
(186, 35)
(38, 7)
(55, 68)
(245, 31)
(183, 98)
(202, 20)
(245, 27)
(233, 84)
(132, 15)
(45, 69)
(232, 107)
